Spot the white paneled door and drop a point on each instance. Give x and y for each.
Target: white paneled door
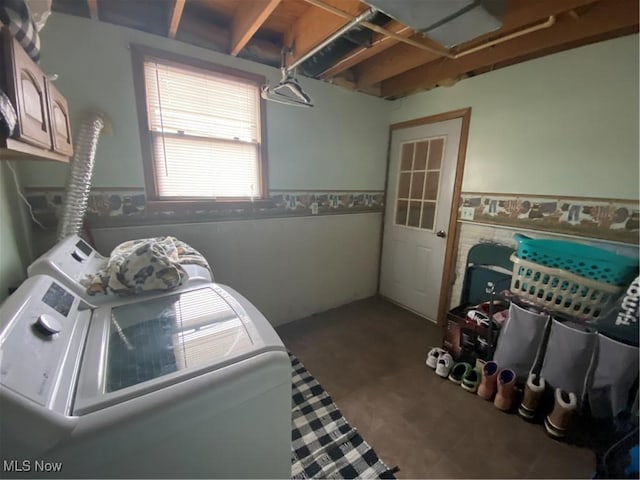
(422, 171)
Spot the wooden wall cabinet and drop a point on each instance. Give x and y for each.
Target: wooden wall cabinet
(59, 120)
(43, 130)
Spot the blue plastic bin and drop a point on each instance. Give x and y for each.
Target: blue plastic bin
(583, 260)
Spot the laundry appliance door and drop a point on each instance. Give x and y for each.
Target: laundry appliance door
(140, 346)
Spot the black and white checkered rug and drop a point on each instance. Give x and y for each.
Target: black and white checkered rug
(324, 444)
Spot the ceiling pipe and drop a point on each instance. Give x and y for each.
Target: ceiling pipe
(338, 33)
(541, 26)
(444, 53)
(374, 27)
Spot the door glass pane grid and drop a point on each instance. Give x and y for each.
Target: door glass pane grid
(405, 182)
(432, 183)
(418, 183)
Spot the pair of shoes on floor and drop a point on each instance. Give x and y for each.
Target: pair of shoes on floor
(498, 385)
(557, 421)
(441, 361)
(461, 373)
(466, 376)
(434, 355)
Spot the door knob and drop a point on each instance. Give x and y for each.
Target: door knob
(441, 233)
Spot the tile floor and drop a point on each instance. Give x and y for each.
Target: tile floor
(370, 355)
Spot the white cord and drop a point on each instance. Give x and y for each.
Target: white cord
(15, 179)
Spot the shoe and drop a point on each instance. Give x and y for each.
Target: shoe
(557, 422)
(443, 368)
(471, 380)
(458, 371)
(506, 383)
(533, 391)
(432, 356)
(481, 319)
(488, 386)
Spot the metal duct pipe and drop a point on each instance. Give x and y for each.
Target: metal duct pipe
(78, 183)
(355, 21)
(551, 20)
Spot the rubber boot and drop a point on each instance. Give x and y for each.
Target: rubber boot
(506, 385)
(557, 422)
(532, 394)
(488, 385)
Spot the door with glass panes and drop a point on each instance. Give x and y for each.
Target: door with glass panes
(422, 170)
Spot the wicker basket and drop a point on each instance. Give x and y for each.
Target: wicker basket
(561, 291)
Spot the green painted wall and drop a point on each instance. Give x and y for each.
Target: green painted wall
(339, 144)
(564, 124)
(15, 241)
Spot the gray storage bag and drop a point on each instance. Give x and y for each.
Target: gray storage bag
(519, 340)
(615, 373)
(570, 357)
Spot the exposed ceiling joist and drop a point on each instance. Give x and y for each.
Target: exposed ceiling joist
(394, 61)
(350, 85)
(247, 20)
(603, 17)
(93, 9)
(316, 25)
(379, 44)
(176, 16)
(400, 59)
(519, 13)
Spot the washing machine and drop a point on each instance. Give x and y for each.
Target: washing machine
(189, 383)
(72, 259)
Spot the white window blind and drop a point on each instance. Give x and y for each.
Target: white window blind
(205, 129)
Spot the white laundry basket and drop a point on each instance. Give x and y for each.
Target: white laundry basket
(561, 291)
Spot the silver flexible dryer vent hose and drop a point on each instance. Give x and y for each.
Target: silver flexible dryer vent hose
(79, 177)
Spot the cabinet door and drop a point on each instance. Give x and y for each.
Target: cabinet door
(27, 87)
(60, 125)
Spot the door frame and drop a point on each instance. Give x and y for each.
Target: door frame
(452, 235)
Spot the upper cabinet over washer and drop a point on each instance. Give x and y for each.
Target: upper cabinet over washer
(43, 129)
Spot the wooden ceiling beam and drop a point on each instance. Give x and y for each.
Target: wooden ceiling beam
(393, 61)
(604, 17)
(316, 25)
(93, 9)
(379, 44)
(197, 30)
(247, 20)
(176, 16)
(556, 49)
(519, 13)
(399, 59)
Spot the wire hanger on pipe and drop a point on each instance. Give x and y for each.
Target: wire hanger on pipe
(288, 91)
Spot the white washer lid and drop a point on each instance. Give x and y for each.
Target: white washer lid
(145, 345)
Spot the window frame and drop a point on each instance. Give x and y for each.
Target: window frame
(139, 53)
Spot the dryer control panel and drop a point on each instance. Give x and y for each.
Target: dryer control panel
(70, 260)
(40, 341)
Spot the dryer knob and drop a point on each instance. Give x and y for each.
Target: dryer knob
(48, 324)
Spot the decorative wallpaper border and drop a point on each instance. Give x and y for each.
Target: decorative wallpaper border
(608, 219)
(127, 206)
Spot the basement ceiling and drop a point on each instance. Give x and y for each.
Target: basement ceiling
(380, 56)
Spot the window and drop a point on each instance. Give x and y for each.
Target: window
(418, 182)
(201, 129)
